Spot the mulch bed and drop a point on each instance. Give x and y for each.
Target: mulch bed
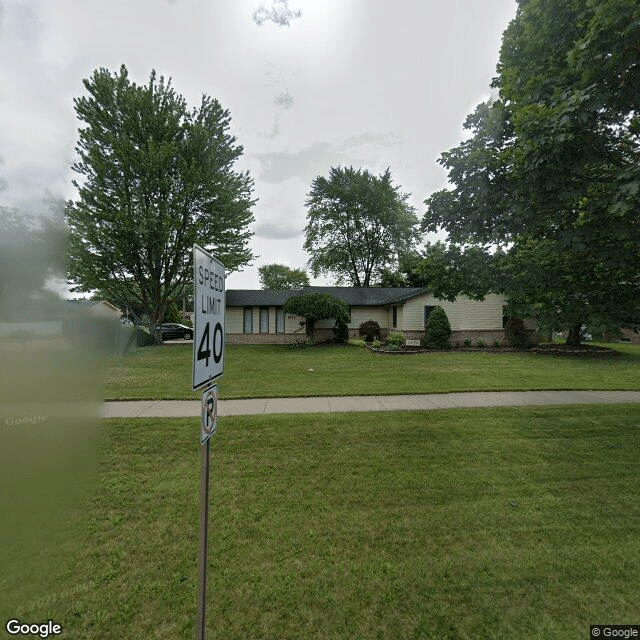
(585, 350)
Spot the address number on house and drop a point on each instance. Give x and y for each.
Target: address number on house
(209, 310)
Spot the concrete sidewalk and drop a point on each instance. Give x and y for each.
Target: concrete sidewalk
(191, 408)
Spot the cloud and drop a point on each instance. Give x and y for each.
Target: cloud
(279, 13)
(278, 230)
(284, 100)
(315, 160)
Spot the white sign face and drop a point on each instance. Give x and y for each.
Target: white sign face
(208, 322)
(209, 411)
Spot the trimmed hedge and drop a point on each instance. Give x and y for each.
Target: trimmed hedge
(438, 334)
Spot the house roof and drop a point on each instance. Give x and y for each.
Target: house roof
(259, 297)
(352, 296)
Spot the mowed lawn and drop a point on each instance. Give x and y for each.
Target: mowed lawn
(487, 523)
(165, 372)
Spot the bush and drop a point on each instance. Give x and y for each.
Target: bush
(393, 346)
(369, 330)
(341, 331)
(397, 339)
(358, 342)
(143, 337)
(467, 342)
(376, 344)
(438, 332)
(480, 342)
(497, 343)
(515, 333)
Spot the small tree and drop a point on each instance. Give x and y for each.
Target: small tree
(317, 306)
(172, 314)
(279, 276)
(438, 332)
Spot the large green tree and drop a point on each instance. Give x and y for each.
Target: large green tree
(279, 276)
(551, 172)
(156, 177)
(358, 224)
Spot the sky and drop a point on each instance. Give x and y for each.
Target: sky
(310, 85)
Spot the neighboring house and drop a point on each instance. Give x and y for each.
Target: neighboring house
(256, 316)
(98, 308)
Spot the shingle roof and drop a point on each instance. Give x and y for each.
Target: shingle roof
(259, 297)
(352, 296)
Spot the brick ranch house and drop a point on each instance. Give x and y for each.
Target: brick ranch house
(256, 316)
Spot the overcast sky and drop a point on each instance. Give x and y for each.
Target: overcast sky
(310, 84)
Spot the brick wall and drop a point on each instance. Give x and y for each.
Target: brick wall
(264, 338)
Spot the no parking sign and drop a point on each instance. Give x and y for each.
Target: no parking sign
(209, 412)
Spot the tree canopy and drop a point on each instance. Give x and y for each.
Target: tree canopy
(358, 224)
(551, 172)
(157, 177)
(317, 306)
(279, 276)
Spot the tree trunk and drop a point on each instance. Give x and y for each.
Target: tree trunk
(574, 335)
(310, 323)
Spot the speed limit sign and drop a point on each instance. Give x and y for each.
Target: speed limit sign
(209, 412)
(209, 309)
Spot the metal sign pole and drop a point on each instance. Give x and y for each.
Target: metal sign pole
(204, 521)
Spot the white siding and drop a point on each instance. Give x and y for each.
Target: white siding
(362, 314)
(463, 314)
(233, 319)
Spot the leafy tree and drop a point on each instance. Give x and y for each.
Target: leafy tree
(172, 313)
(357, 225)
(404, 275)
(157, 177)
(279, 276)
(551, 173)
(317, 306)
(438, 331)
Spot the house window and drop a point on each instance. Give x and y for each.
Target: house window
(427, 313)
(264, 319)
(395, 317)
(279, 320)
(248, 320)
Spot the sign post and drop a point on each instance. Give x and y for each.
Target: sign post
(208, 365)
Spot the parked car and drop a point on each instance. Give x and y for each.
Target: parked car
(173, 331)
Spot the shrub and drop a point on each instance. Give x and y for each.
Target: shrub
(393, 346)
(341, 331)
(480, 342)
(438, 332)
(515, 333)
(396, 338)
(369, 330)
(467, 342)
(357, 342)
(497, 343)
(376, 344)
(143, 337)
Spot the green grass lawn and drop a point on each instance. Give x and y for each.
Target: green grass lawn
(279, 371)
(487, 523)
